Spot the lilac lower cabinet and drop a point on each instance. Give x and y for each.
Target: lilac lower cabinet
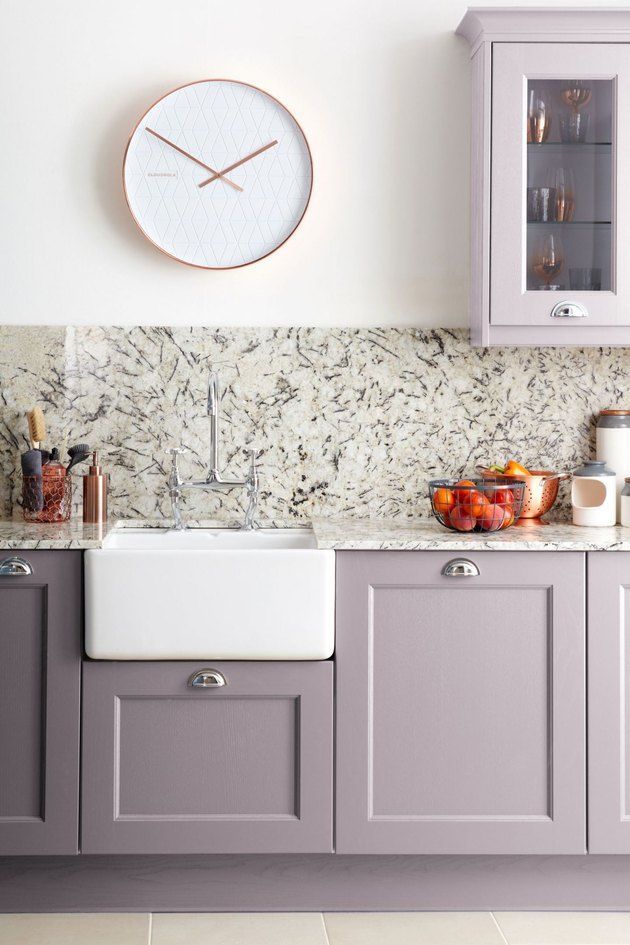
(609, 701)
(172, 768)
(460, 703)
(40, 691)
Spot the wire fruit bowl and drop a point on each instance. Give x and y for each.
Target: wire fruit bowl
(477, 505)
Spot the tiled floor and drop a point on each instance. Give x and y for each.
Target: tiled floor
(313, 928)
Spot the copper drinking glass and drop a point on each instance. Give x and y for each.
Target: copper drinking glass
(538, 116)
(548, 260)
(563, 184)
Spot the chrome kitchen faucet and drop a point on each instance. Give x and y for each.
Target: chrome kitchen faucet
(214, 480)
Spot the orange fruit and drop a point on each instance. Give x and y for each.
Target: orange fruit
(443, 501)
(461, 495)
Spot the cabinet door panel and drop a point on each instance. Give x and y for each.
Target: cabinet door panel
(460, 704)
(609, 702)
(40, 666)
(243, 768)
(576, 242)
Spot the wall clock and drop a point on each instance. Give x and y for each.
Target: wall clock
(217, 174)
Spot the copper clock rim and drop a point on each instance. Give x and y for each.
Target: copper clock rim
(165, 252)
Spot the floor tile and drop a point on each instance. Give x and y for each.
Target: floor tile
(565, 928)
(244, 928)
(412, 928)
(83, 929)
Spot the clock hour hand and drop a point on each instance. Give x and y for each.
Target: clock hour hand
(217, 174)
(226, 170)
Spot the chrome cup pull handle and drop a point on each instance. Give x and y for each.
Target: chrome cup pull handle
(568, 310)
(207, 679)
(460, 567)
(15, 566)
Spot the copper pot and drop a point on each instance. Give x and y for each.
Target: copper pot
(541, 490)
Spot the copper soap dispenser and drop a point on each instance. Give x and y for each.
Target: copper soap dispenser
(95, 485)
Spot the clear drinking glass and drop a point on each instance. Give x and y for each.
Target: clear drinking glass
(541, 204)
(574, 127)
(585, 279)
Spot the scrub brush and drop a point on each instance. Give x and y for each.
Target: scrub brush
(36, 427)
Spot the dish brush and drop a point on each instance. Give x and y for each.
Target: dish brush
(36, 427)
(77, 454)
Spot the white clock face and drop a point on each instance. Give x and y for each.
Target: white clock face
(217, 174)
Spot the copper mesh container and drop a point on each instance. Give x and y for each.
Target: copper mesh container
(541, 491)
(56, 492)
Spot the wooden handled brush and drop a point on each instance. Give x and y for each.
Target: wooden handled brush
(36, 427)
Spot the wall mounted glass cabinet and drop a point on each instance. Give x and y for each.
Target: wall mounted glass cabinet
(550, 188)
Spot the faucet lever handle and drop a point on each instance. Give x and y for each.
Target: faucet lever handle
(252, 477)
(175, 452)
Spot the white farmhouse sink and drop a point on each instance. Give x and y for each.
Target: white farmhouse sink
(155, 594)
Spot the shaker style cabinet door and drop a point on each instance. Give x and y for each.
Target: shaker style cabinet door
(460, 703)
(171, 766)
(40, 692)
(560, 206)
(609, 702)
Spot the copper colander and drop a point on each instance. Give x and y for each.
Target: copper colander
(541, 490)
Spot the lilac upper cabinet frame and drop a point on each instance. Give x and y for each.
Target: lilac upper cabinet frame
(508, 46)
(460, 703)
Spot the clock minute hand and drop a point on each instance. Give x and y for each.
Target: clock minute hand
(244, 160)
(219, 174)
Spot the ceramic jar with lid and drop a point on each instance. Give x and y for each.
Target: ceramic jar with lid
(625, 503)
(613, 446)
(594, 494)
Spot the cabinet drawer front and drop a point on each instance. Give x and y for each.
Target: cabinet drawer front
(171, 767)
(460, 703)
(40, 676)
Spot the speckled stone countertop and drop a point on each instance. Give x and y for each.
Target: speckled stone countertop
(345, 534)
(422, 535)
(15, 534)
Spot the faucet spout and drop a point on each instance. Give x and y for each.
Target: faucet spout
(214, 481)
(213, 413)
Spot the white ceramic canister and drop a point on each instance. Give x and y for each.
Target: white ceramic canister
(594, 494)
(613, 446)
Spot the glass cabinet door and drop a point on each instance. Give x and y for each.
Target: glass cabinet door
(559, 227)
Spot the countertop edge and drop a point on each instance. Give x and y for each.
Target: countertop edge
(349, 534)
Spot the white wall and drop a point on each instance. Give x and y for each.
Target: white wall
(381, 88)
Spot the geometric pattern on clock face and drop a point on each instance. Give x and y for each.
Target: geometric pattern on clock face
(218, 222)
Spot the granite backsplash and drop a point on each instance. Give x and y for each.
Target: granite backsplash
(347, 421)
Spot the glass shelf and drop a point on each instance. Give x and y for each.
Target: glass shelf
(570, 223)
(561, 147)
